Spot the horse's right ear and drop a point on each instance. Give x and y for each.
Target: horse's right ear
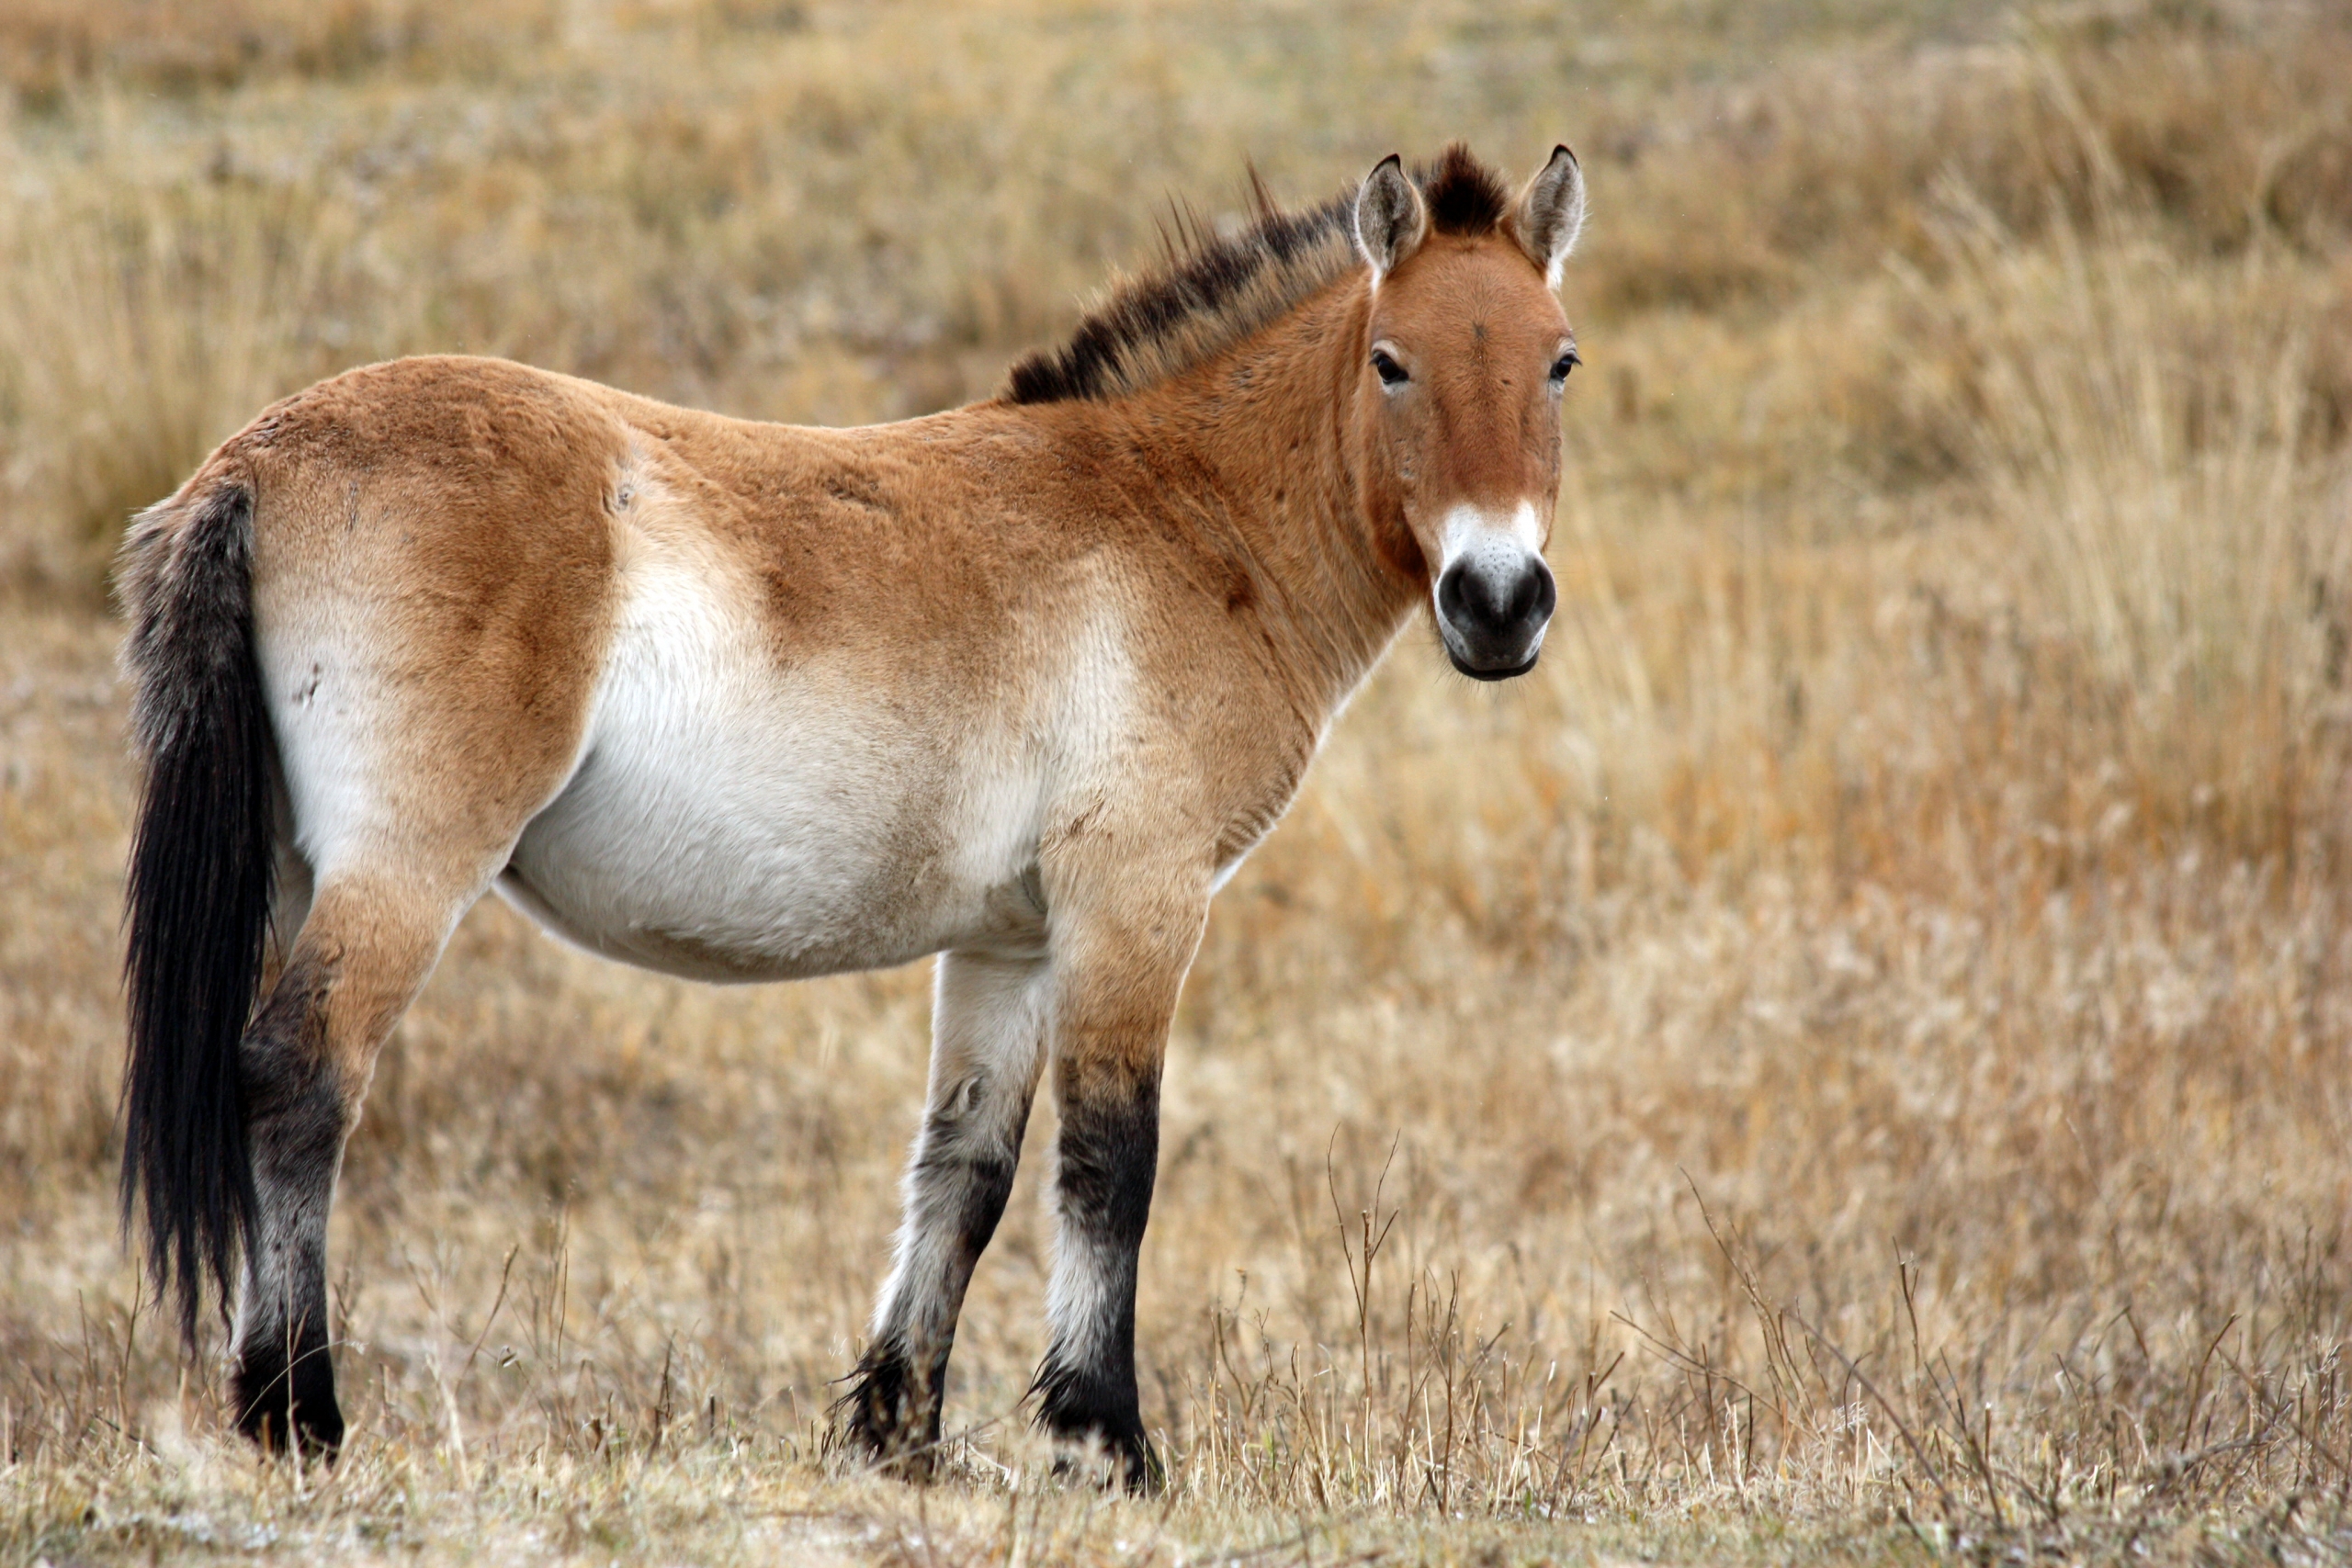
(1391, 219)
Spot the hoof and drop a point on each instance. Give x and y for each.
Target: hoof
(886, 1419)
(284, 1408)
(1127, 1464)
(1098, 1417)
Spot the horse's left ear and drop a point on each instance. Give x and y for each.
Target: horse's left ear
(1551, 214)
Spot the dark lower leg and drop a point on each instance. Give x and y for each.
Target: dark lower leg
(1110, 1149)
(954, 1200)
(984, 1074)
(284, 1382)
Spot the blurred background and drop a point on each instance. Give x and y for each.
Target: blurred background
(1888, 965)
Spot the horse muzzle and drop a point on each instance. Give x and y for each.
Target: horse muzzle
(1492, 609)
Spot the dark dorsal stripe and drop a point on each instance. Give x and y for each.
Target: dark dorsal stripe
(1215, 291)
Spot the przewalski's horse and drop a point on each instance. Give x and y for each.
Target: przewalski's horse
(1018, 684)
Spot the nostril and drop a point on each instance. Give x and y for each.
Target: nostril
(1449, 594)
(1522, 599)
(1537, 595)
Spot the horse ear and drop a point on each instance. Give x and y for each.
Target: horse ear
(1551, 213)
(1391, 219)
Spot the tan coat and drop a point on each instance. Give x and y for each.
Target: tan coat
(1019, 682)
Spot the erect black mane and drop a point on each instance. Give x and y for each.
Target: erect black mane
(1464, 197)
(1212, 290)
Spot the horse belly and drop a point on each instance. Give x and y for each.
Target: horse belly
(733, 820)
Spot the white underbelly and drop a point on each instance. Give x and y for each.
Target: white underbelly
(733, 819)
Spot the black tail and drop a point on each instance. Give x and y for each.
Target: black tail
(199, 889)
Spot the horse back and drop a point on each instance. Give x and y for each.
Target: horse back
(460, 564)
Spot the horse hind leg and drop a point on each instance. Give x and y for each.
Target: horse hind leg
(367, 946)
(988, 1035)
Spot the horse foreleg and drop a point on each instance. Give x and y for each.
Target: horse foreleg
(988, 1028)
(1116, 982)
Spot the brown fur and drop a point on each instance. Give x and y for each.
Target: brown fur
(1212, 470)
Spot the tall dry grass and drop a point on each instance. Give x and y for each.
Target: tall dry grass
(136, 323)
(2151, 429)
(1853, 1058)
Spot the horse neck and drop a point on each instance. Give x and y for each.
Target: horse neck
(1264, 459)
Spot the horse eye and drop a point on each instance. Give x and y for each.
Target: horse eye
(1391, 373)
(1565, 363)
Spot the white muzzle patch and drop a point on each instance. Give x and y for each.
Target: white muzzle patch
(1493, 595)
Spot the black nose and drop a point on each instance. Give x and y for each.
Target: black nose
(1494, 612)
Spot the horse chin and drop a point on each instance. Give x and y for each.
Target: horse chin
(1505, 672)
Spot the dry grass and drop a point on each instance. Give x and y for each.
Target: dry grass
(1853, 1060)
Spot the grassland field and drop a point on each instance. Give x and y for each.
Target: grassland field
(1851, 1061)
